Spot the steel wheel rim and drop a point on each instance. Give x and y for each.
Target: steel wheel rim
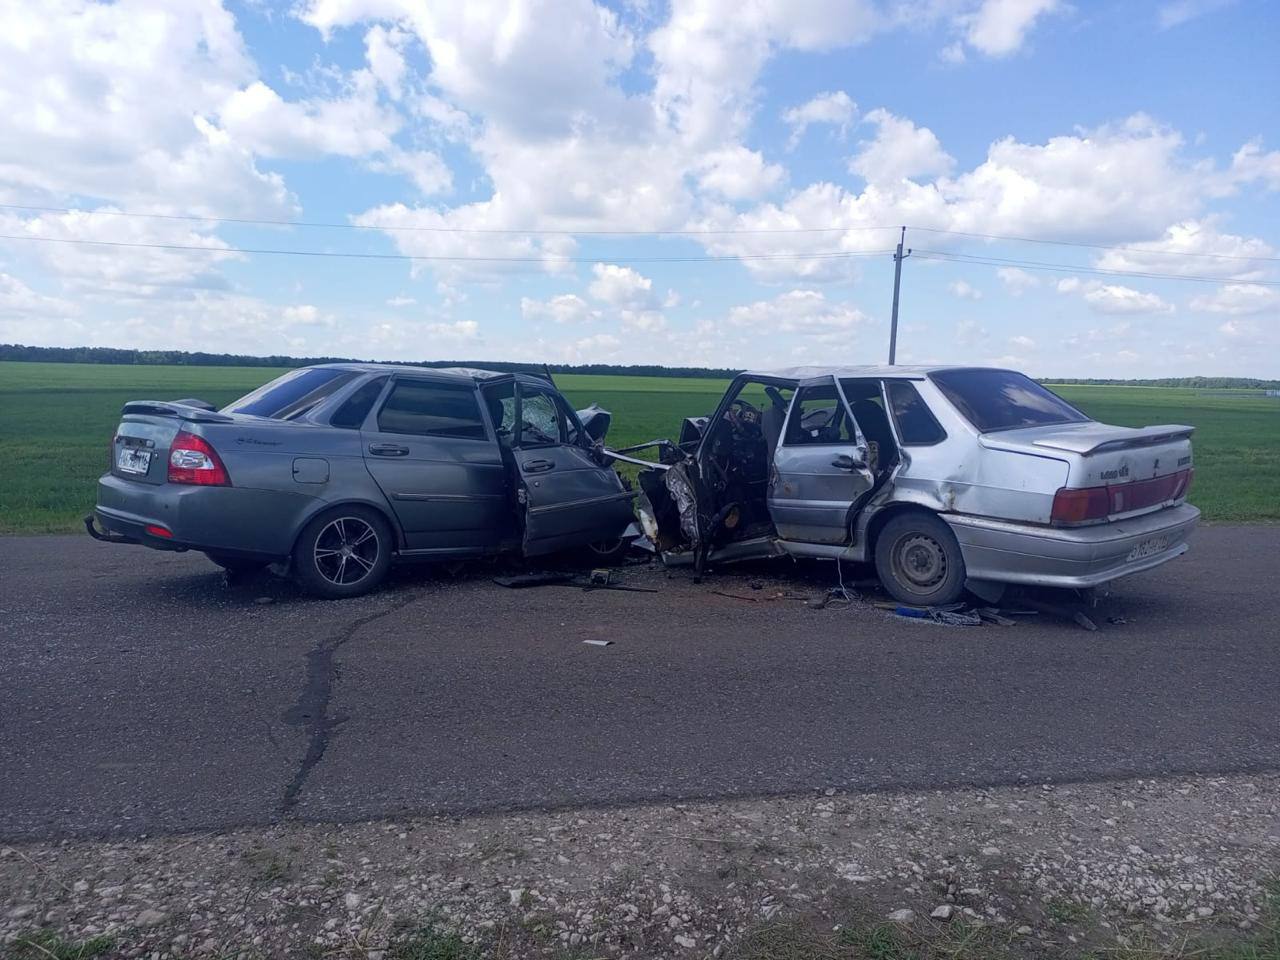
(920, 560)
(606, 547)
(346, 551)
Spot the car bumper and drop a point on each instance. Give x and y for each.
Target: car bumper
(232, 520)
(1077, 557)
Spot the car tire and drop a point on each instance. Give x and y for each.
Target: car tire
(237, 566)
(342, 553)
(919, 561)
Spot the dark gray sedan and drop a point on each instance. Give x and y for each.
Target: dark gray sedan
(342, 468)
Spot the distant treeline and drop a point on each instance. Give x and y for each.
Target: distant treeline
(1202, 383)
(16, 351)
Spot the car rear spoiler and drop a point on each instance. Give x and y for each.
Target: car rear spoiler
(1086, 444)
(175, 408)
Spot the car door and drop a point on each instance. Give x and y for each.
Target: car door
(568, 499)
(434, 457)
(819, 467)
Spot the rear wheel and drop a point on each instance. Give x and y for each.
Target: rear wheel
(343, 553)
(236, 565)
(919, 560)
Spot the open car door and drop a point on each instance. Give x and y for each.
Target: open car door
(567, 498)
(820, 468)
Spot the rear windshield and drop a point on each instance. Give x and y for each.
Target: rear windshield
(293, 394)
(1003, 399)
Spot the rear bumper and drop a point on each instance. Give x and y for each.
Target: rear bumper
(236, 521)
(1077, 557)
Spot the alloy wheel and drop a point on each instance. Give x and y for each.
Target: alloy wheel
(346, 551)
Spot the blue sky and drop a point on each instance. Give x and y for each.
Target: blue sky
(549, 162)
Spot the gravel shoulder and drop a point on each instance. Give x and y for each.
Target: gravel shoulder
(1033, 871)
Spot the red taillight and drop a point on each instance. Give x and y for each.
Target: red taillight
(1080, 506)
(1072, 506)
(158, 531)
(193, 460)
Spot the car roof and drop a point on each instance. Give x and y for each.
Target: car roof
(449, 373)
(800, 374)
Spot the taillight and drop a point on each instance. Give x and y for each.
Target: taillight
(193, 460)
(1071, 506)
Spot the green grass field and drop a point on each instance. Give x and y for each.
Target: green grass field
(56, 421)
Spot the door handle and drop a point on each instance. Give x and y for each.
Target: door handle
(846, 462)
(388, 450)
(538, 466)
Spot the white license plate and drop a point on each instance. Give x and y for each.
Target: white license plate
(1149, 547)
(133, 460)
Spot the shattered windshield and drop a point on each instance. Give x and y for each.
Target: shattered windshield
(1004, 400)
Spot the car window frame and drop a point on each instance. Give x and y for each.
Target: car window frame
(885, 384)
(840, 400)
(364, 424)
(374, 426)
(556, 401)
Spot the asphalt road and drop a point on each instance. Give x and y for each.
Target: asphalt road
(140, 694)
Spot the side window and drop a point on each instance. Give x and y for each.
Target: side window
(916, 423)
(540, 418)
(351, 415)
(818, 417)
(426, 409)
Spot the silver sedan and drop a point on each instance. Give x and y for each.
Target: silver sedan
(947, 478)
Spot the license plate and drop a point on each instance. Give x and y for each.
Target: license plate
(133, 460)
(1149, 547)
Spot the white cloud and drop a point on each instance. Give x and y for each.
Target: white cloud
(383, 48)
(964, 291)
(1114, 298)
(1239, 300)
(804, 312)
(1022, 342)
(107, 100)
(835, 109)
(737, 173)
(1193, 247)
(899, 151)
(454, 330)
(621, 287)
(563, 308)
(1250, 164)
(999, 28)
(353, 125)
(401, 301)
(1180, 11)
(1016, 280)
(19, 301)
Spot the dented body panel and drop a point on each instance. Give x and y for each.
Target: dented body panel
(833, 484)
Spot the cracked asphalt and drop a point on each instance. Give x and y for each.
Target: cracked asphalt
(140, 694)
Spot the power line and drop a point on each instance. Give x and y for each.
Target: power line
(1094, 246)
(356, 255)
(501, 231)
(1071, 268)
(509, 231)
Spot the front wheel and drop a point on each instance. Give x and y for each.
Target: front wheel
(919, 560)
(343, 553)
(606, 553)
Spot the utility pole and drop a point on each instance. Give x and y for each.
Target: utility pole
(898, 257)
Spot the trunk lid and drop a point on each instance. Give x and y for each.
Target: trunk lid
(1139, 464)
(140, 447)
